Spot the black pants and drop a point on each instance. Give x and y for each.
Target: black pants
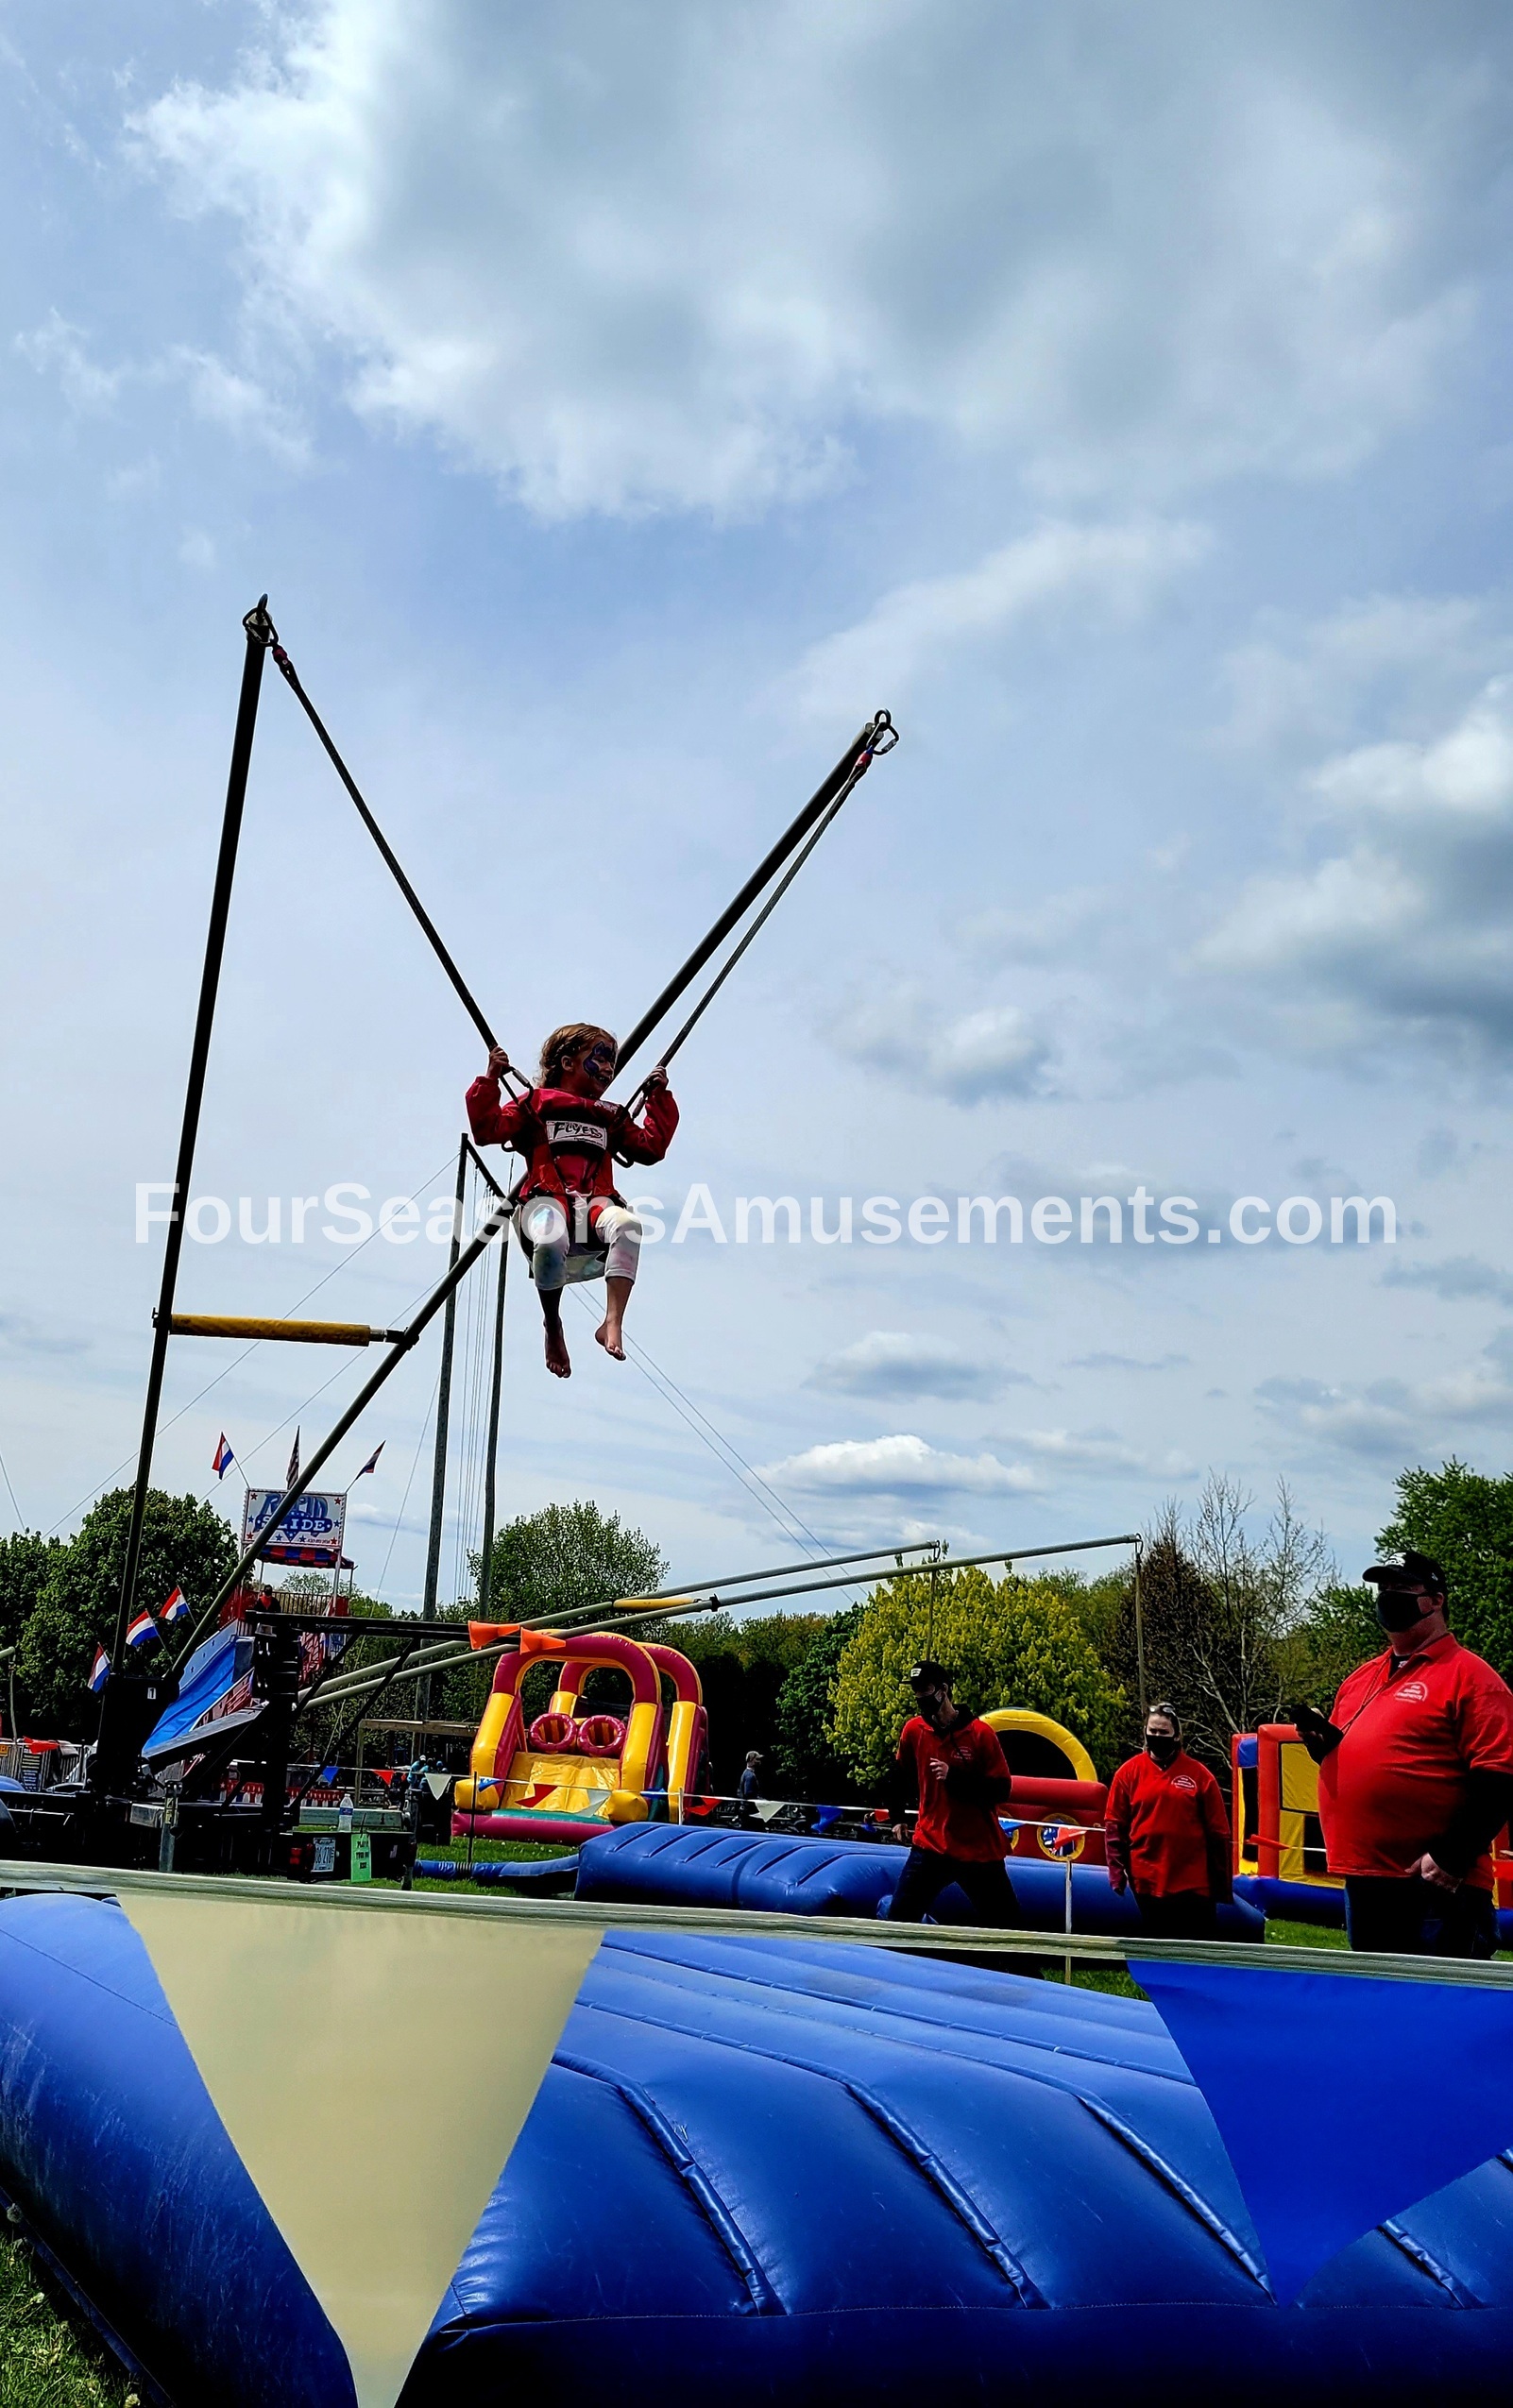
(989, 1891)
(1183, 1914)
(1409, 1917)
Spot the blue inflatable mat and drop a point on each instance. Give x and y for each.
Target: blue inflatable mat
(666, 1865)
(801, 2172)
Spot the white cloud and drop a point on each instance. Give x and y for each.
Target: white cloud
(224, 398)
(997, 1050)
(59, 350)
(1405, 934)
(1457, 1281)
(218, 393)
(1113, 568)
(894, 1363)
(1048, 933)
(1399, 1420)
(660, 255)
(899, 1466)
(1100, 1450)
(1309, 682)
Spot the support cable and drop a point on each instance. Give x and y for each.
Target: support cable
(878, 736)
(236, 1360)
(858, 770)
(391, 860)
(259, 630)
(358, 1405)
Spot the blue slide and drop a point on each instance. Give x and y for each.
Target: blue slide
(760, 2171)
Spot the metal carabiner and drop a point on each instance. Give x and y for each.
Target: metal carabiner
(884, 735)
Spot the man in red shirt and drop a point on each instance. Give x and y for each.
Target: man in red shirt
(1166, 1834)
(1416, 1776)
(961, 1780)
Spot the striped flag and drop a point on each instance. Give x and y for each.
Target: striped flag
(293, 1472)
(175, 1606)
(222, 1460)
(372, 1461)
(142, 1629)
(99, 1671)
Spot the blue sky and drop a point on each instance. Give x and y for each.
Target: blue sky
(618, 404)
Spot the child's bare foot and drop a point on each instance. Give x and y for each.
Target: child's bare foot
(557, 1358)
(608, 1335)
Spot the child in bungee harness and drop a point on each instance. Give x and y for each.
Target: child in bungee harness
(571, 1139)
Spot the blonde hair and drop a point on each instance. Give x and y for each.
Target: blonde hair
(564, 1044)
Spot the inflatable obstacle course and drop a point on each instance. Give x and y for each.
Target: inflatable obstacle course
(578, 1767)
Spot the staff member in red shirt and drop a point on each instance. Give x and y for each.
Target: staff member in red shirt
(1166, 1835)
(960, 1774)
(1416, 1776)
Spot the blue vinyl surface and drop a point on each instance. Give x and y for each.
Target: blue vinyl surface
(660, 1864)
(111, 2149)
(760, 2173)
(1312, 2080)
(212, 1671)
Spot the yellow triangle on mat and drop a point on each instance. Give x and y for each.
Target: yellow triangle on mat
(343, 2046)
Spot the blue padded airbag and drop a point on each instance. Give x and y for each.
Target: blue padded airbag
(760, 2171)
(111, 2147)
(670, 1866)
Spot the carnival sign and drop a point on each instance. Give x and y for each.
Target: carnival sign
(310, 1533)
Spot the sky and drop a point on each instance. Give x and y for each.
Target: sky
(618, 404)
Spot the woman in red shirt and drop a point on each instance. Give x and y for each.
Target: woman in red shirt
(1166, 1834)
(571, 1140)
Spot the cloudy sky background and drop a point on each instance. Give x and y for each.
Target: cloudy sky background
(618, 404)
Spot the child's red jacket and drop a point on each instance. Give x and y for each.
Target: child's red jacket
(570, 1145)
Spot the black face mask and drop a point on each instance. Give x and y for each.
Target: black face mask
(1397, 1609)
(1161, 1750)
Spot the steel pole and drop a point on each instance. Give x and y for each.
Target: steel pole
(259, 630)
(354, 1411)
(792, 836)
(486, 1561)
(449, 1336)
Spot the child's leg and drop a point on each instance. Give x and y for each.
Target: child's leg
(622, 1229)
(545, 1224)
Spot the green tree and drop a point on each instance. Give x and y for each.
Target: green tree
(1465, 1520)
(1225, 1618)
(1339, 1631)
(566, 1556)
(741, 1667)
(25, 1560)
(1013, 1643)
(183, 1543)
(805, 1761)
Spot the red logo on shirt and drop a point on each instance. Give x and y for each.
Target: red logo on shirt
(1185, 1781)
(1414, 1691)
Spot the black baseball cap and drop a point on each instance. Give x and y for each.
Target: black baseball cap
(1415, 1571)
(927, 1674)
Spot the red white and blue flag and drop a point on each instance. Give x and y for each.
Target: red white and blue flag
(293, 1472)
(372, 1461)
(143, 1628)
(99, 1671)
(223, 1458)
(175, 1606)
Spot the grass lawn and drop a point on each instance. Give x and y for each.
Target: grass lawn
(48, 2358)
(484, 1851)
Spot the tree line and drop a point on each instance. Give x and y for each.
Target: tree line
(1237, 1625)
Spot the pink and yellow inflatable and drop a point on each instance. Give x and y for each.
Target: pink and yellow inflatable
(576, 1768)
